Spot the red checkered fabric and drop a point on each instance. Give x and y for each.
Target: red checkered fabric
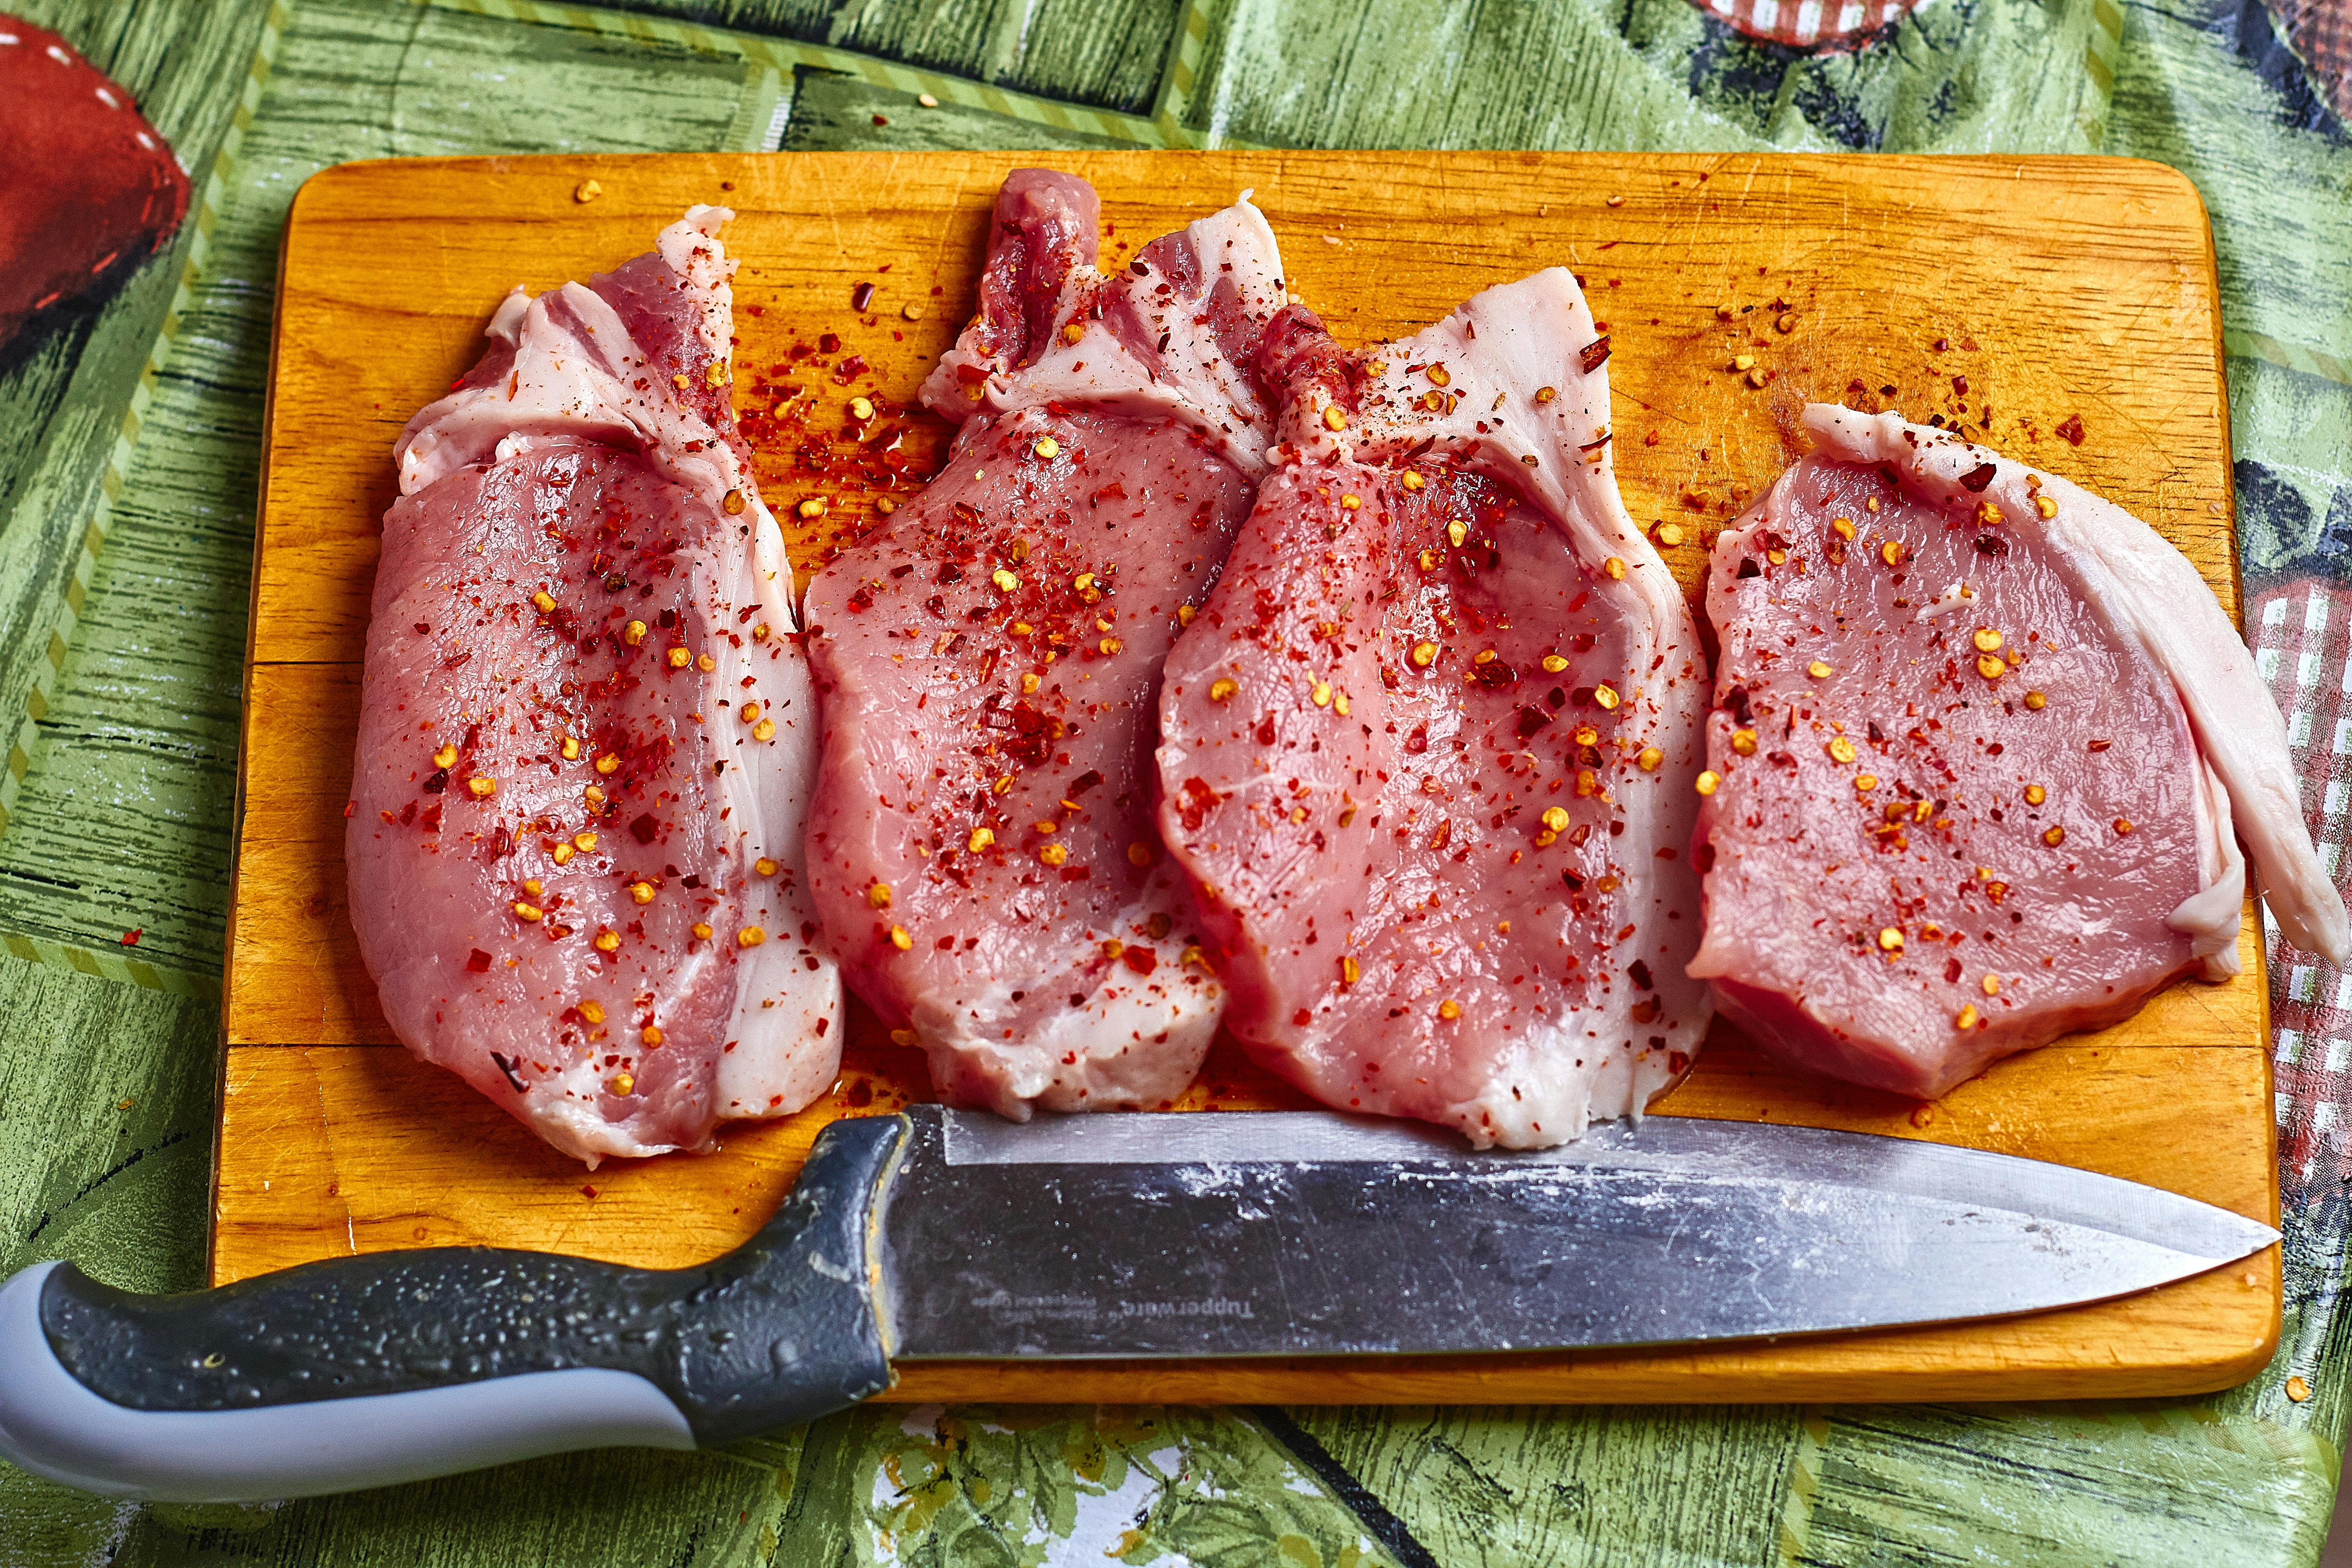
(2320, 33)
(1803, 23)
(2301, 629)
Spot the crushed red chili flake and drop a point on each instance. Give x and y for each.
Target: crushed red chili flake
(478, 962)
(2070, 427)
(130, 938)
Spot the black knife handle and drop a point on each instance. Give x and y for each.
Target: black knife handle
(399, 1365)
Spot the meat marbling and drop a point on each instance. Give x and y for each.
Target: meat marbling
(1986, 746)
(982, 846)
(586, 732)
(1426, 752)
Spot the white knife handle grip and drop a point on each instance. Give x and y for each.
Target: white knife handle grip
(394, 1366)
(53, 1427)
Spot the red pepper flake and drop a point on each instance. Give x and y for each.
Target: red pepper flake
(588, 1191)
(1594, 354)
(2070, 427)
(861, 296)
(478, 962)
(349, 806)
(130, 938)
(1142, 959)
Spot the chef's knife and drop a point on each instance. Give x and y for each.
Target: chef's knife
(939, 1234)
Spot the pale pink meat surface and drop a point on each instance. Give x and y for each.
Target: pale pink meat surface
(981, 846)
(1963, 808)
(585, 733)
(1426, 751)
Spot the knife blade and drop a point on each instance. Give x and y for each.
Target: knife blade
(942, 1234)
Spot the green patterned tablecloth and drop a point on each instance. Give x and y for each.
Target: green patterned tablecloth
(128, 453)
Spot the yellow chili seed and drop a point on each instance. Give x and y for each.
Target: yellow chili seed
(623, 1083)
(1005, 581)
(1413, 479)
(679, 658)
(1844, 527)
(1350, 503)
(1841, 749)
(607, 762)
(445, 757)
(1109, 646)
(1449, 1010)
(861, 408)
(1819, 669)
(634, 633)
(1334, 418)
(643, 892)
(900, 939)
(765, 730)
(593, 1012)
(544, 602)
(1991, 984)
(1053, 854)
(1607, 697)
(1140, 854)
(607, 941)
(733, 503)
(750, 936)
(1074, 331)
(1649, 758)
(1991, 665)
(1890, 940)
(1556, 819)
(2035, 701)
(1616, 568)
(2055, 837)
(1349, 972)
(811, 508)
(1891, 553)
(1321, 696)
(2045, 507)
(1546, 394)
(1987, 640)
(981, 838)
(765, 867)
(1553, 664)
(1424, 654)
(2035, 795)
(701, 930)
(2122, 824)
(1222, 690)
(1339, 704)
(482, 786)
(1457, 532)
(560, 854)
(1707, 781)
(1744, 742)
(1988, 515)
(749, 712)
(1865, 783)
(571, 750)
(1967, 1018)
(526, 912)
(1047, 447)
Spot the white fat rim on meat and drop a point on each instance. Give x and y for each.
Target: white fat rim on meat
(2149, 593)
(783, 1045)
(1499, 349)
(1197, 385)
(963, 1038)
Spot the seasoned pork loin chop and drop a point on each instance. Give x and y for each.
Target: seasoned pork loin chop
(586, 734)
(981, 844)
(1426, 751)
(1988, 747)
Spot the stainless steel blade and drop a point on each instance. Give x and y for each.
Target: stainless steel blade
(1309, 1234)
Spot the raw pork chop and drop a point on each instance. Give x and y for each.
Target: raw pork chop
(1983, 740)
(585, 732)
(1426, 751)
(981, 844)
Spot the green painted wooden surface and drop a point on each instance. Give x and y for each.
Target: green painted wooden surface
(119, 678)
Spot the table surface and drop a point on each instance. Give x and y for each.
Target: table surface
(128, 462)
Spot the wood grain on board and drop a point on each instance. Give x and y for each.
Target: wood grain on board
(2019, 295)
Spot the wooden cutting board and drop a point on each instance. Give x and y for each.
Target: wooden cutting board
(2065, 305)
